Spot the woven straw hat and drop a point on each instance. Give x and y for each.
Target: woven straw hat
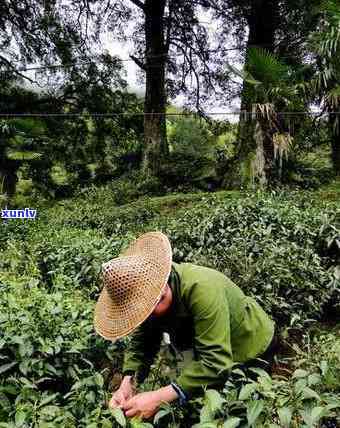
(132, 285)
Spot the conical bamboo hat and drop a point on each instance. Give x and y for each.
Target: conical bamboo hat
(132, 285)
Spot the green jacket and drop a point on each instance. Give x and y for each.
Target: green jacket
(210, 314)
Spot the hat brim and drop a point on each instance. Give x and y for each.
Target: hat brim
(111, 325)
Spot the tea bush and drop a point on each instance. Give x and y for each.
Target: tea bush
(62, 259)
(53, 370)
(281, 248)
(50, 356)
(270, 248)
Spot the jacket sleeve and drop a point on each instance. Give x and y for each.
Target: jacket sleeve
(210, 311)
(144, 344)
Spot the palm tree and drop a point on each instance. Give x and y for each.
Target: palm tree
(264, 136)
(16, 140)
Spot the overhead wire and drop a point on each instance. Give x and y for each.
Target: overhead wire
(108, 115)
(141, 113)
(52, 66)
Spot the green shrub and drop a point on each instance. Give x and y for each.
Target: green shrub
(63, 259)
(281, 248)
(278, 248)
(192, 156)
(50, 355)
(303, 398)
(269, 246)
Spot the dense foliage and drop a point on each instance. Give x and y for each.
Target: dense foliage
(99, 165)
(290, 62)
(283, 249)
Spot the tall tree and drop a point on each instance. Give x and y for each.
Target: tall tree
(277, 27)
(262, 20)
(39, 31)
(155, 59)
(261, 17)
(173, 49)
(46, 33)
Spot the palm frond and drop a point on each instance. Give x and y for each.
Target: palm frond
(282, 145)
(285, 94)
(332, 97)
(266, 67)
(28, 125)
(331, 10)
(326, 43)
(22, 126)
(265, 111)
(22, 155)
(243, 74)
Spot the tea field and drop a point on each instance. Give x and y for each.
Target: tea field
(283, 248)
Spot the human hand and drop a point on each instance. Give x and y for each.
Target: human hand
(125, 391)
(146, 404)
(143, 405)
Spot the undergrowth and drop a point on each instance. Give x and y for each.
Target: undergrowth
(281, 248)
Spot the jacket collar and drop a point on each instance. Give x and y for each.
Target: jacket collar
(174, 281)
(174, 278)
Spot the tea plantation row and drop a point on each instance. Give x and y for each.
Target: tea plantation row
(284, 249)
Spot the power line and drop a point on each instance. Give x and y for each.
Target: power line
(65, 65)
(108, 115)
(22, 69)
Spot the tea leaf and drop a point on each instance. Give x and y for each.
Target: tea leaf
(309, 393)
(20, 417)
(299, 373)
(246, 391)
(119, 416)
(213, 402)
(285, 415)
(160, 414)
(254, 410)
(7, 367)
(232, 423)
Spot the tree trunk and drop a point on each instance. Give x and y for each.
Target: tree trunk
(334, 126)
(8, 177)
(243, 171)
(155, 144)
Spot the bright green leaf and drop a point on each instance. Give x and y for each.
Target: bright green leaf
(232, 423)
(7, 367)
(254, 410)
(246, 391)
(119, 416)
(308, 393)
(285, 416)
(213, 402)
(20, 417)
(299, 373)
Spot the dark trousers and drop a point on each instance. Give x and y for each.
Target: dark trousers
(268, 356)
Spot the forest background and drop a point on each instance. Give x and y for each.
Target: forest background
(251, 190)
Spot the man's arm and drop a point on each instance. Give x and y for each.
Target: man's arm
(212, 342)
(210, 310)
(142, 349)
